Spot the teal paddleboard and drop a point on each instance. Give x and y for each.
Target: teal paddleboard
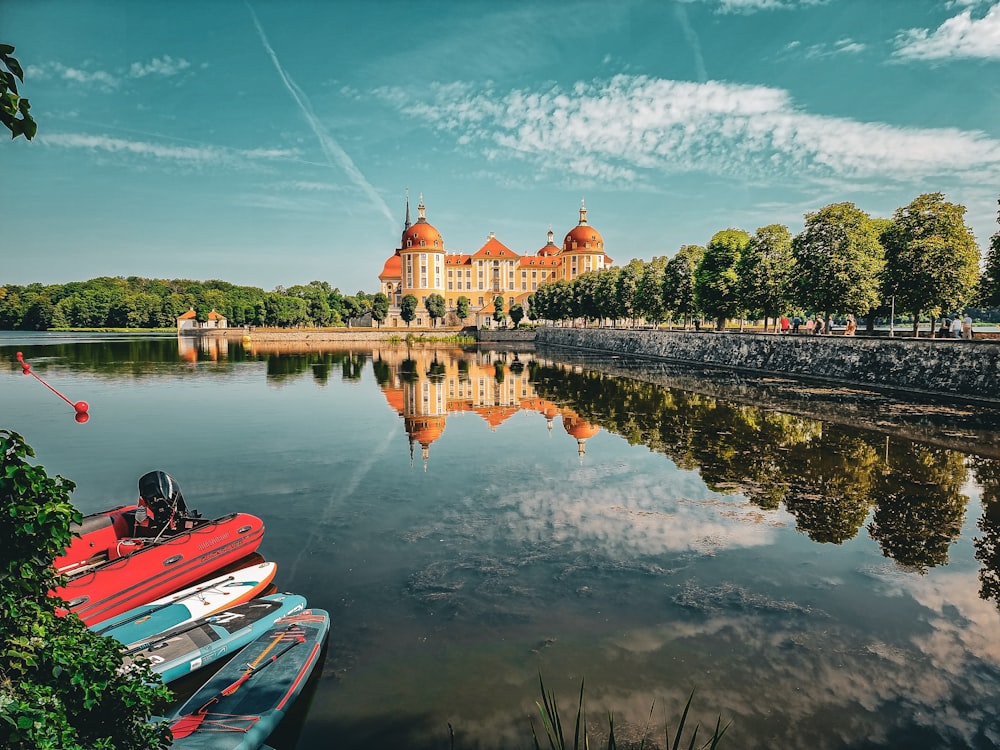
(181, 650)
(241, 705)
(202, 600)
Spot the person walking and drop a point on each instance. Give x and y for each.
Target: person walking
(967, 327)
(851, 326)
(810, 325)
(785, 324)
(956, 327)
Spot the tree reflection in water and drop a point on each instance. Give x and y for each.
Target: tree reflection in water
(830, 477)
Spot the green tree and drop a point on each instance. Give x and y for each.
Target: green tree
(989, 284)
(61, 684)
(436, 309)
(516, 314)
(380, 308)
(649, 293)
(679, 282)
(932, 260)
(408, 308)
(716, 283)
(462, 308)
(628, 288)
(498, 313)
(839, 261)
(13, 107)
(607, 294)
(765, 271)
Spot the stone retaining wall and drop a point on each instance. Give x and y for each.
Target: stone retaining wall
(966, 368)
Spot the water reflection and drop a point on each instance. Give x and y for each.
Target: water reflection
(806, 563)
(425, 385)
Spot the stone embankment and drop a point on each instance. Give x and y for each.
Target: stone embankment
(969, 369)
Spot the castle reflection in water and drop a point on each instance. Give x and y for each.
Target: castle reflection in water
(424, 385)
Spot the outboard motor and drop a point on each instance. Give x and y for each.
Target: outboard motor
(159, 492)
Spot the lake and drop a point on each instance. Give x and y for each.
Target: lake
(820, 565)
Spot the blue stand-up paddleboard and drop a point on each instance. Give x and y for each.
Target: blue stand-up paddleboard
(184, 649)
(188, 605)
(243, 703)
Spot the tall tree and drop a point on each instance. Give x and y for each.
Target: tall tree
(628, 287)
(516, 314)
(716, 283)
(989, 284)
(607, 294)
(380, 308)
(765, 271)
(679, 280)
(839, 261)
(932, 260)
(436, 308)
(462, 308)
(649, 293)
(498, 314)
(408, 308)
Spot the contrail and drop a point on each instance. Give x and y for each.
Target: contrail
(692, 38)
(334, 153)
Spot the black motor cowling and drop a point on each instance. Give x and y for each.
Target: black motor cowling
(161, 494)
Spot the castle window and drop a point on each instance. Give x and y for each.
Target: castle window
(423, 242)
(480, 301)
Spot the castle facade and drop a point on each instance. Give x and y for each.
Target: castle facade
(421, 266)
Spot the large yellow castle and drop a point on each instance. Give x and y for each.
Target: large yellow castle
(420, 266)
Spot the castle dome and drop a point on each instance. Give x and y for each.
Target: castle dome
(583, 236)
(551, 248)
(421, 234)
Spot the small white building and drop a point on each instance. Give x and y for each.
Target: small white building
(189, 321)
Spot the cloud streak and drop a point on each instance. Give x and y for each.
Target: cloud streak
(628, 128)
(961, 36)
(752, 6)
(198, 155)
(336, 155)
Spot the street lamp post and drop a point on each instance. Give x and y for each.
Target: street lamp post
(892, 317)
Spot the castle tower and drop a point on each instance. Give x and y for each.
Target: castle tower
(421, 253)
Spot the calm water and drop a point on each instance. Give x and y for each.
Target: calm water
(824, 573)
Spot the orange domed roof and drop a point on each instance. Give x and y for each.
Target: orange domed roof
(424, 430)
(583, 236)
(579, 428)
(421, 234)
(551, 248)
(393, 268)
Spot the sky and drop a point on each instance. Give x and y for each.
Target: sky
(271, 143)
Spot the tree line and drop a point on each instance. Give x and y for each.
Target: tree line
(136, 302)
(923, 262)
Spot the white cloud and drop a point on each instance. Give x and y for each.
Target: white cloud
(629, 126)
(961, 36)
(160, 66)
(192, 155)
(81, 75)
(752, 6)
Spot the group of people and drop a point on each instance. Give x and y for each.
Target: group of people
(958, 327)
(815, 325)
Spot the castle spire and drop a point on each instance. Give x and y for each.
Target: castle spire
(583, 213)
(406, 221)
(421, 211)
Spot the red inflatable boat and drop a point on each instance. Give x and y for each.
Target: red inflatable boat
(131, 555)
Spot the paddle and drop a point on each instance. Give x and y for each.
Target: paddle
(190, 723)
(158, 607)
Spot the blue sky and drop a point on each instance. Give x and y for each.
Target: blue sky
(271, 143)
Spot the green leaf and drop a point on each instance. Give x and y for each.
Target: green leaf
(24, 722)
